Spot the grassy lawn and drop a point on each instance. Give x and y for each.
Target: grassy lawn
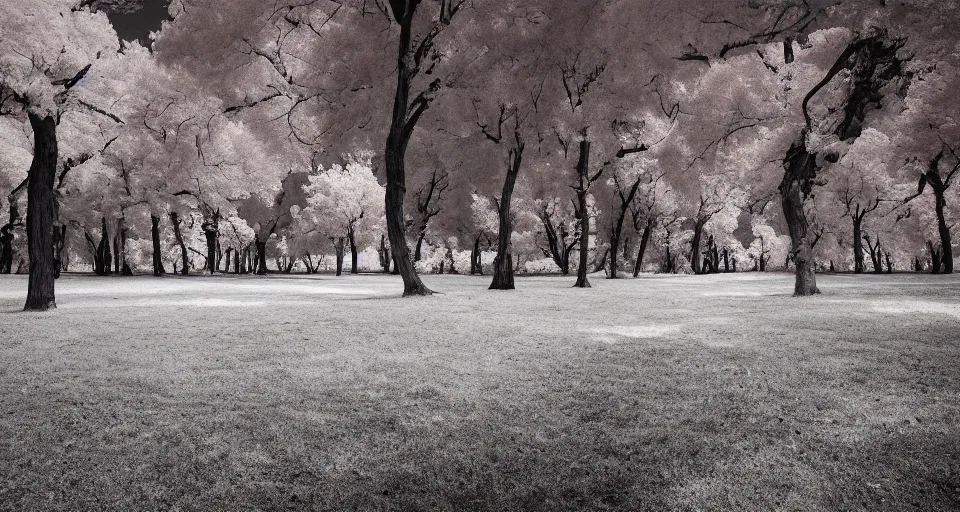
(322, 393)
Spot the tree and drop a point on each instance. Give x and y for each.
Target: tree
(345, 204)
(43, 75)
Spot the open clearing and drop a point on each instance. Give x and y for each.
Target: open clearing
(689, 393)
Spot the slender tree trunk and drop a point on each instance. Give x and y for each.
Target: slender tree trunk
(261, 256)
(401, 129)
(384, 253)
(946, 244)
(583, 171)
(158, 269)
(644, 239)
(338, 247)
(695, 246)
(125, 269)
(41, 214)
(503, 262)
(59, 249)
(858, 266)
(103, 250)
(799, 172)
(354, 254)
(178, 235)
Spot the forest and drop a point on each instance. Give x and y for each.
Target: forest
(255, 254)
(456, 136)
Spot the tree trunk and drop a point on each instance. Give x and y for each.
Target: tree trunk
(158, 269)
(800, 169)
(178, 235)
(59, 250)
(261, 256)
(103, 259)
(858, 266)
(946, 244)
(354, 255)
(695, 247)
(384, 253)
(401, 129)
(583, 170)
(41, 214)
(125, 269)
(338, 246)
(503, 262)
(211, 233)
(644, 239)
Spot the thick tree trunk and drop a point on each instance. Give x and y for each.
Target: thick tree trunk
(41, 214)
(583, 171)
(800, 169)
(946, 244)
(644, 239)
(158, 269)
(858, 266)
(178, 235)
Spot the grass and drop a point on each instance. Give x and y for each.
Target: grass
(322, 393)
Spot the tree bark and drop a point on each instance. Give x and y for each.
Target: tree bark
(946, 244)
(644, 239)
(261, 256)
(338, 247)
(158, 269)
(503, 262)
(184, 257)
(583, 170)
(354, 254)
(401, 129)
(800, 169)
(41, 214)
(695, 246)
(858, 266)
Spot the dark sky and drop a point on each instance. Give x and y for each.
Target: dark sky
(138, 25)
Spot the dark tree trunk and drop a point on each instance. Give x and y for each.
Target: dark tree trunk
(384, 253)
(261, 256)
(417, 253)
(338, 246)
(227, 260)
(103, 258)
(117, 251)
(726, 259)
(946, 244)
(125, 269)
(583, 171)
(354, 254)
(800, 169)
(158, 269)
(41, 214)
(695, 247)
(475, 257)
(503, 262)
(211, 234)
(644, 239)
(59, 250)
(401, 129)
(858, 266)
(935, 260)
(178, 235)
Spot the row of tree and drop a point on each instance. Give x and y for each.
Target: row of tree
(582, 134)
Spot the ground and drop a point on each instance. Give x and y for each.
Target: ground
(322, 393)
